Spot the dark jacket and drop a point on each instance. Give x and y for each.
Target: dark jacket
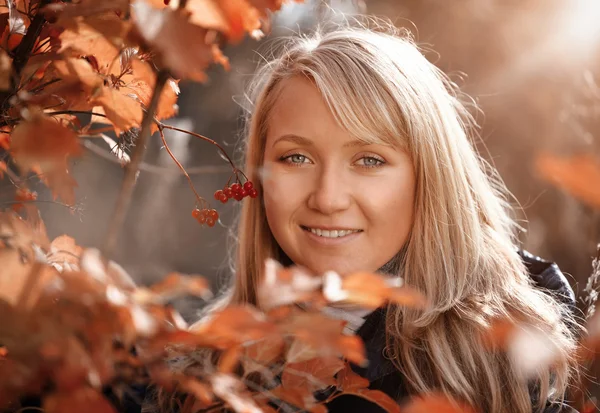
(380, 372)
(384, 376)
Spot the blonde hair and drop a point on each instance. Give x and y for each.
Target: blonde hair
(462, 249)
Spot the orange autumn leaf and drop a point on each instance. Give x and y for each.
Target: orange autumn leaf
(43, 141)
(348, 380)
(265, 351)
(123, 111)
(437, 403)
(168, 31)
(229, 360)
(99, 36)
(64, 250)
(373, 290)
(232, 17)
(234, 325)
(578, 175)
(313, 374)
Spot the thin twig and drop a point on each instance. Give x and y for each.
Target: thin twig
(159, 170)
(132, 168)
(204, 138)
(164, 141)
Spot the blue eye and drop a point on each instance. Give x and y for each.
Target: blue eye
(295, 159)
(371, 162)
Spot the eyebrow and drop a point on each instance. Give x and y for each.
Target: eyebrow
(301, 140)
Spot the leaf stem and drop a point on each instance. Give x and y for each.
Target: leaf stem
(204, 138)
(132, 168)
(164, 141)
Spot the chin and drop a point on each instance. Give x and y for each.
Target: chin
(321, 268)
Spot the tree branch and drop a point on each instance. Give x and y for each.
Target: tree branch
(23, 52)
(132, 168)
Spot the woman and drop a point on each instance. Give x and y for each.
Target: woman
(362, 154)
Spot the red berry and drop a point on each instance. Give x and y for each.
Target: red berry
(196, 213)
(201, 219)
(204, 213)
(248, 185)
(236, 187)
(210, 222)
(252, 193)
(237, 196)
(243, 193)
(223, 198)
(213, 214)
(228, 192)
(167, 2)
(218, 194)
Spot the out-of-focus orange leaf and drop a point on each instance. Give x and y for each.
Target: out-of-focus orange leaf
(168, 32)
(43, 141)
(297, 396)
(234, 324)
(62, 184)
(437, 403)
(578, 175)
(84, 399)
(172, 286)
(3, 352)
(64, 250)
(3, 169)
(348, 380)
(373, 290)
(232, 17)
(229, 359)
(314, 374)
(266, 351)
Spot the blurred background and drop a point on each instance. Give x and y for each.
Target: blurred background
(532, 66)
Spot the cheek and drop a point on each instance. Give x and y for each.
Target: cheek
(389, 205)
(283, 193)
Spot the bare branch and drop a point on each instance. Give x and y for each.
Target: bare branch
(132, 169)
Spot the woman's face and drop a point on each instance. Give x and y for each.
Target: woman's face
(332, 202)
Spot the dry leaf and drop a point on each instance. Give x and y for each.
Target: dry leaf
(437, 403)
(348, 380)
(578, 175)
(168, 32)
(313, 375)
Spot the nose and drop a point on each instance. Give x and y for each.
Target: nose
(331, 192)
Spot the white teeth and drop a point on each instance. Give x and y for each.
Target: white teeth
(333, 233)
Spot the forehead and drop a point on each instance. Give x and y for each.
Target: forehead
(300, 109)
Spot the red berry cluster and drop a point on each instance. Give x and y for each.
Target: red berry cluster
(237, 192)
(206, 216)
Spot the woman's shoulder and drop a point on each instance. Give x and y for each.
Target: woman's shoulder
(548, 276)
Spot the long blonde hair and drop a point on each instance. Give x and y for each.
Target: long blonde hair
(462, 249)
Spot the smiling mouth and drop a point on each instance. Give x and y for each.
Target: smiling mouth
(332, 233)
